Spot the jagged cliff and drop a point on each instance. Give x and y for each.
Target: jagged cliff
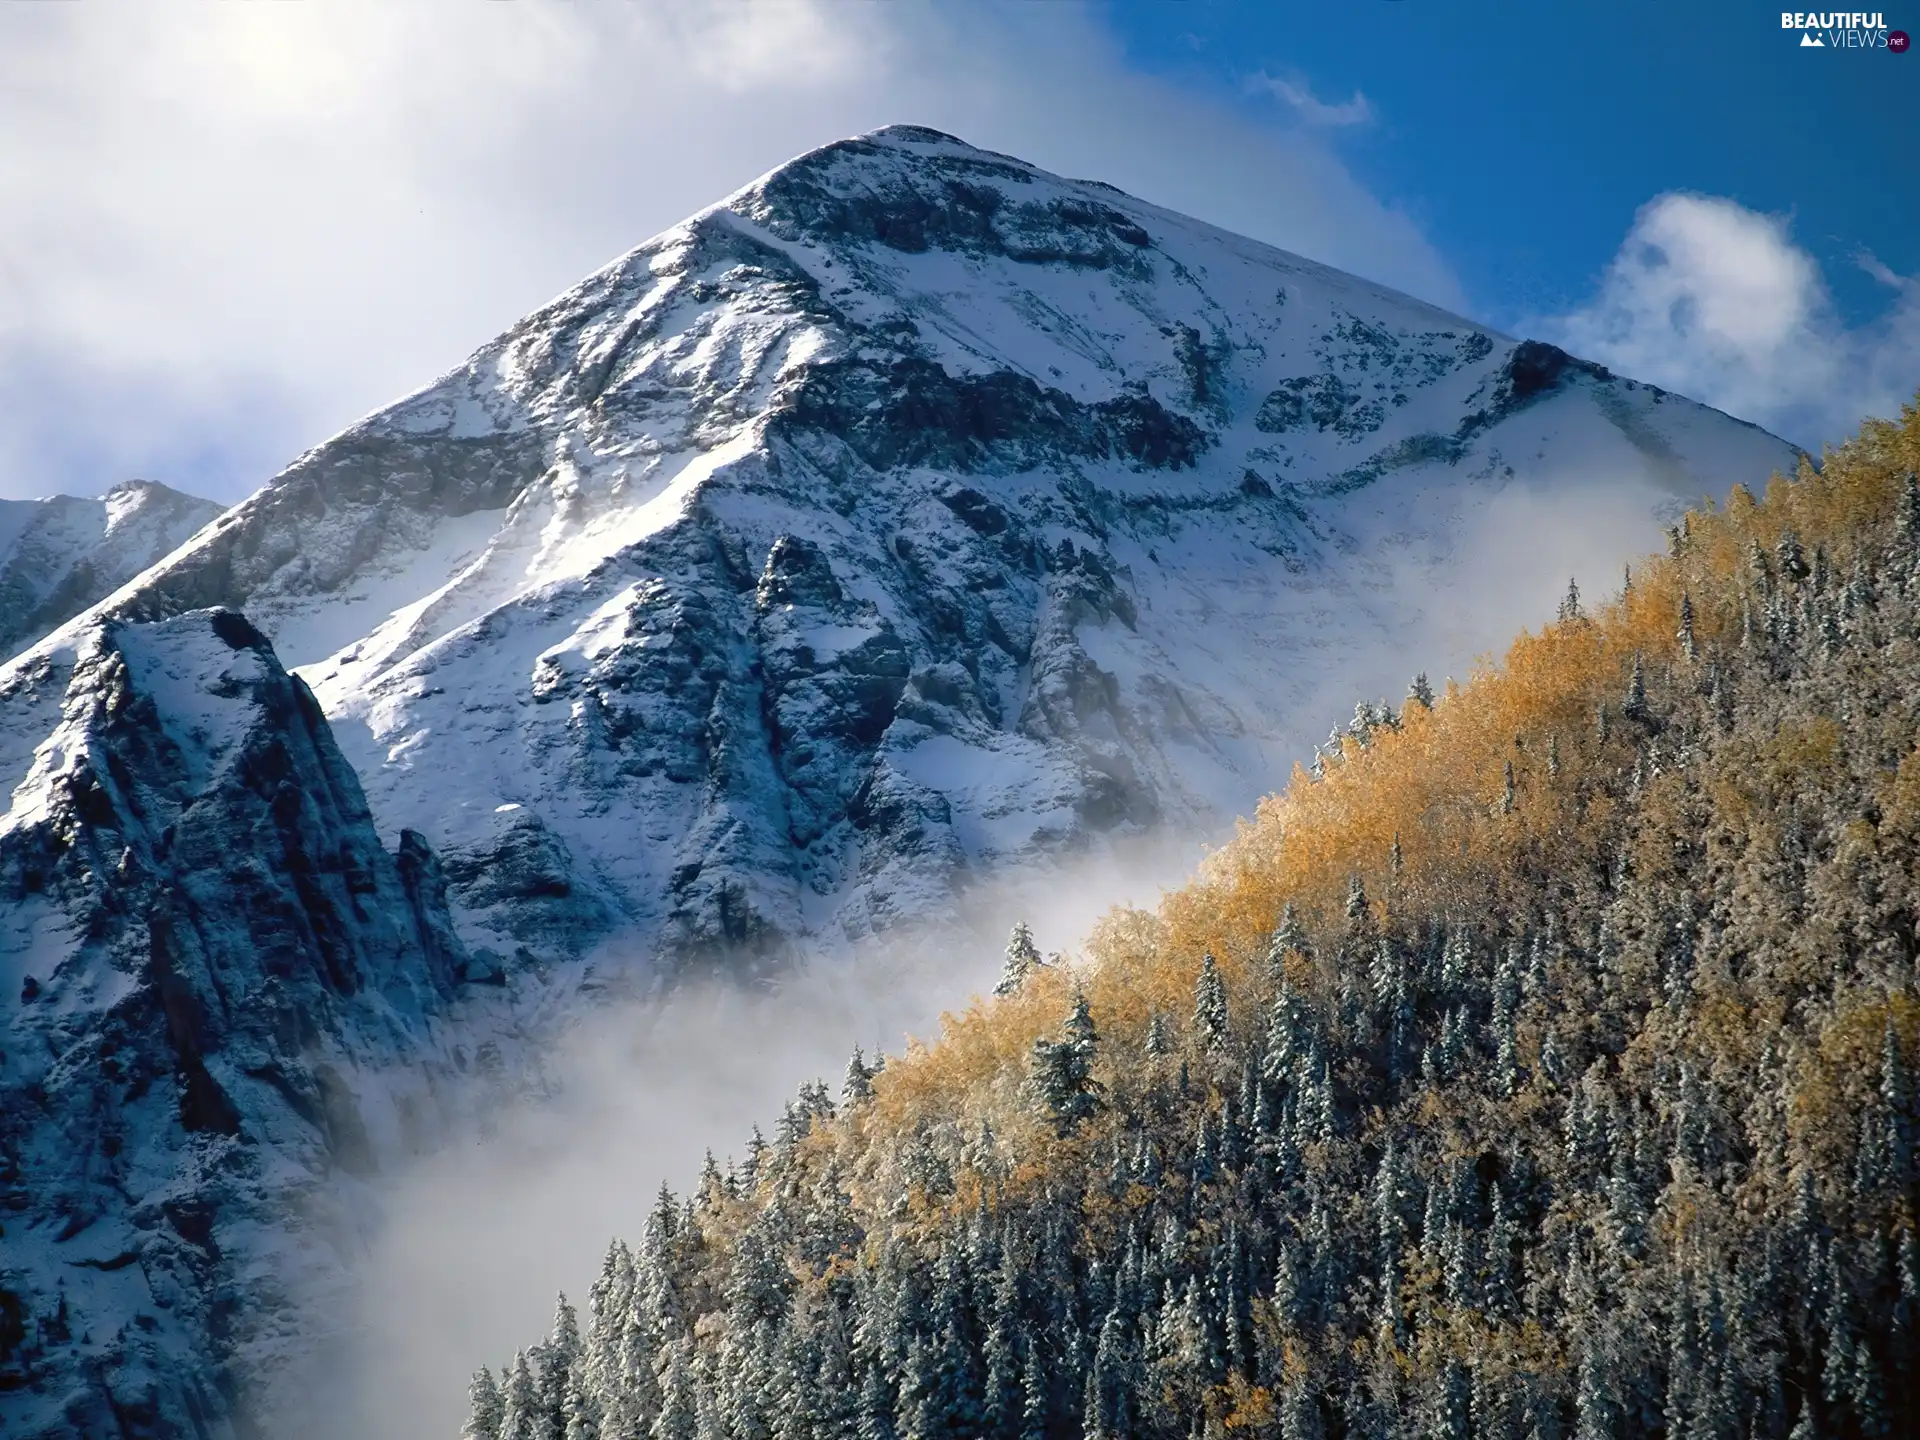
(207, 949)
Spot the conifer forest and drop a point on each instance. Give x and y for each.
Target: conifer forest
(1542, 1063)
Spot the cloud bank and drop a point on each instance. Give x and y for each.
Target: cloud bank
(234, 229)
(1719, 303)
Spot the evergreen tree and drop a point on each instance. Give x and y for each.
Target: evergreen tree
(1023, 958)
(557, 1360)
(1210, 1006)
(520, 1414)
(1791, 556)
(1035, 1400)
(1159, 1041)
(1570, 606)
(679, 1410)
(858, 1086)
(1063, 1069)
(1635, 706)
(485, 1408)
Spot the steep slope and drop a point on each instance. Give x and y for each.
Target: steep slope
(1544, 1069)
(60, 555)
(911, 513)
(206, 958)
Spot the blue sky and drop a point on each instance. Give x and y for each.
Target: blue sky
(235, 228)
(1522, 137)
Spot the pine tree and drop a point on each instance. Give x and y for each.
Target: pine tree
(1023, 958)
(556, 1360)
(1792, 557)
(579, 1410)
(1000, 1399)
(1034, 1402)
(1062, 1070)
(1420, 692)
(1596, 1401)
(1159, 1041)
(1299, 1413)
(858, 1086)
(1635, 706)
(520, 1413)
(1570, 606)
(485, 1408)
(1210, 1007)
(1113, 1381)
(679, 1409)
(1896, 1099)
(1687, 646)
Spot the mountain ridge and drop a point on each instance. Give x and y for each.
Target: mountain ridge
(813, 355)
(911, 518)
(59, 555)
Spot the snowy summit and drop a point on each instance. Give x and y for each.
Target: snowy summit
(910, 515)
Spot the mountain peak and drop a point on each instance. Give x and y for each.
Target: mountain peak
(912, 189)
(908, 521)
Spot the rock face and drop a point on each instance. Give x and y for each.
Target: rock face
(60, 555)
(911, 513)
(205, 947)
(911, 516)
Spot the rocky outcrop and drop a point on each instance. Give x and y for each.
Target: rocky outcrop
(62, 554)
(208, 955)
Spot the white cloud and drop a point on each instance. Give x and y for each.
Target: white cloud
(473, 1240)
(1716, 301)
(1311, 109)
(233, 229)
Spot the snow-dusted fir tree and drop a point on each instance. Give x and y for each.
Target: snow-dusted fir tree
(1023, 958)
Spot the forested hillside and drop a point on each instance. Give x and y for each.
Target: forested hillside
(1541, 1064)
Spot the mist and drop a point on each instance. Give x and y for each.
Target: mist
(468, 1247)
(471, 1244)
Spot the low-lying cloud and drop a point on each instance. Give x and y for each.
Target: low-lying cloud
(471, 1244)
(1719, 303)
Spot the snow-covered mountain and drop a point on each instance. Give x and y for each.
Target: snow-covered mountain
(910, 510)
(911, 515)
(203, 947)
(61, 554)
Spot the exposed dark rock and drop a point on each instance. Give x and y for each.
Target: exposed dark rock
(911, 412)
(228, 928)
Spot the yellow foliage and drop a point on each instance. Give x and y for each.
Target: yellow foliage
(1433, 783)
